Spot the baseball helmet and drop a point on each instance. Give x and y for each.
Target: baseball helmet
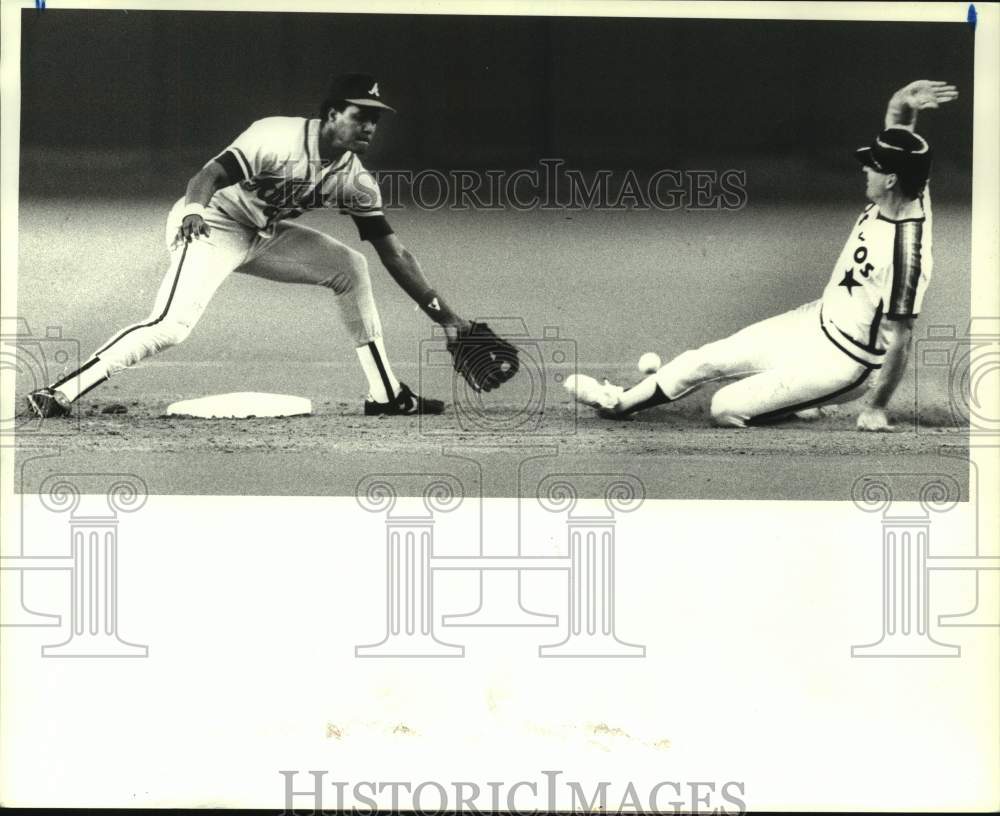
(899, 151)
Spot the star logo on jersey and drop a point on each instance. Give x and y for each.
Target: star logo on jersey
(848, 282)
(373, 91)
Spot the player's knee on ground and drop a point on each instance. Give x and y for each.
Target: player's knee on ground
(727, 411)
(350, 271)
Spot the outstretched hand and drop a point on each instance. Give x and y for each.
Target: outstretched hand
(926, 94)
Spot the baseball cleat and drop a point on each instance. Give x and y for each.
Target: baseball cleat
(406, 403)
(46, 403)
(602, 396)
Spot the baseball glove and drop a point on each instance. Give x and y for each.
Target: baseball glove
(484, 359)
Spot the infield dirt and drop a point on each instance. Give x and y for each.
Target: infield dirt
(600, 287)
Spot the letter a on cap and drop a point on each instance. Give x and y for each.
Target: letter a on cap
(374, 90)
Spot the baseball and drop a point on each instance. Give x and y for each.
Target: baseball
(649, 363)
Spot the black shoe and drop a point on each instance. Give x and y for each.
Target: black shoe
(406, 403)
(48, 403)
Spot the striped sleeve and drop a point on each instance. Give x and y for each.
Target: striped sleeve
(252, 153)
(906, 269)
(234, 165)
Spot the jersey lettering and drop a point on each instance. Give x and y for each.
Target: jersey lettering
(285, 177)
(882, 273)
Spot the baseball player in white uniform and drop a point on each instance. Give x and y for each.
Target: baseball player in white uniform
(237, 216)
(824, 352)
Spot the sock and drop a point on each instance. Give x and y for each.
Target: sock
(90, 374)
(657, 398)
(382, 383)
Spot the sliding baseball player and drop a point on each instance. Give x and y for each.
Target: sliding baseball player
(824, 352)
(238, 216)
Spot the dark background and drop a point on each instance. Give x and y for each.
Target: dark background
(130, 90)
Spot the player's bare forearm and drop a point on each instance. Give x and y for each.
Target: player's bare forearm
(898, 114)
(484, 359)
(204, 184)
(874, 417)
(200, 190)
(404, 268)
(924, 94)
(896, 357)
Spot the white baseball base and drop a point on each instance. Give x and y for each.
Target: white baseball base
(241, 405)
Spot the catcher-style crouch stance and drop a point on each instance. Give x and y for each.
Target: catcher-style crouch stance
(824, 352)
(237, 217)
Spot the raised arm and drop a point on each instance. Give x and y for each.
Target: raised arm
(924, 94)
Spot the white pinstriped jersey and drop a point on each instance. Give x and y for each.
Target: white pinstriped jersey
(281, 175)
(882, 272)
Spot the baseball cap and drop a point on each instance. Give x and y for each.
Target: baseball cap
(897, 150)
(358, 89)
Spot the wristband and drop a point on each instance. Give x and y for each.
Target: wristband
(428, 301)
(193, 209)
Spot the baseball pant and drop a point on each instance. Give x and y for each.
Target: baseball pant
(781, 365)
(292, 254)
